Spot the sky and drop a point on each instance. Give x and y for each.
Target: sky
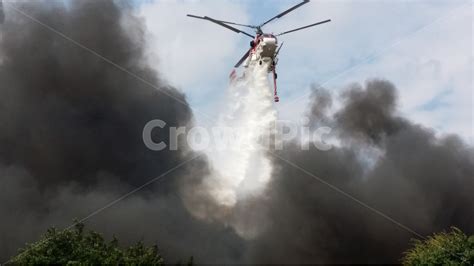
(423, 47)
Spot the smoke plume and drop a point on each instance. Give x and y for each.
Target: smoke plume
(71, 142)
(402, 169)
(2, 14)
(71, 131)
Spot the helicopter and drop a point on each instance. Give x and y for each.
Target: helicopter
(264, 47)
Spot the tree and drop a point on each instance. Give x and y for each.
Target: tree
(452, 248)
(73, 246)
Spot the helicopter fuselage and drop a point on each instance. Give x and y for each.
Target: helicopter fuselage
(264, 48)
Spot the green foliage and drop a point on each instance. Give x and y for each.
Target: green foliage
(453, 248)
(74, 247)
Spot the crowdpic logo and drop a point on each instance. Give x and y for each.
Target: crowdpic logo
(221, 138)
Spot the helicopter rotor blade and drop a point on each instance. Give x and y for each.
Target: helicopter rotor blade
(285, 12)
(243, 58)
(305, 27)
(221, 23)
(226, 22)
(194, 16)
(228, 27)
(237, 24)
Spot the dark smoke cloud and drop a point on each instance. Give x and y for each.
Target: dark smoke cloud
(71, 133)
(2, 13)
(70, 142)
(423, 181)
(68, 114)
(369, 113)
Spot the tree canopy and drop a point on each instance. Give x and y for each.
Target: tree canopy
(74, 246)
(445, 248)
